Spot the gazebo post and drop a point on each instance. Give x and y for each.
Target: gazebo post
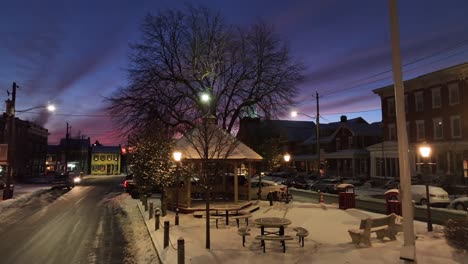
(188, 183)
(236, 184)
(249, 180)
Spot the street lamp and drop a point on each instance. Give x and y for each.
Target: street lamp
(177, 157)
(317, 126)
(10, 113)
(425, 152)
(286, 158)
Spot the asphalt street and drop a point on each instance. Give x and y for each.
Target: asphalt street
(77, 226)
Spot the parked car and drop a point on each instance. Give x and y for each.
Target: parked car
(62, 180)
(267, 186)
(392, 184)
(327, 185)
(459, 203)
(130, 186)
(298, 183)
(437, 196)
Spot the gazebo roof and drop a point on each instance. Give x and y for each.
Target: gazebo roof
(240, 151)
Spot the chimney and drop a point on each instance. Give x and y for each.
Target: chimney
(343, 119)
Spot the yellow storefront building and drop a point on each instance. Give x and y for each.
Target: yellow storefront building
(106, 160)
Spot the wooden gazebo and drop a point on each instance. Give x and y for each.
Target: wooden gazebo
(240, 155)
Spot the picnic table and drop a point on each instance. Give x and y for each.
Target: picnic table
(272, 222)
(227, 209)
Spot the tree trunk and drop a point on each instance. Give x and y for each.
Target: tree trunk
(207, 198)
(163, 203)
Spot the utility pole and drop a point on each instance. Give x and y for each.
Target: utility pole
(318, 133)
(67, 136)
(408, 252)
(10, 113)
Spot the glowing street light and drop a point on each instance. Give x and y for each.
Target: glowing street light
(205, 97)
(177, 157)
(425, 152)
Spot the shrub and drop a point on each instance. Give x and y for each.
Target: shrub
(456, 233)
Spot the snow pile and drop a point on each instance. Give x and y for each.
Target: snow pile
(328, 241)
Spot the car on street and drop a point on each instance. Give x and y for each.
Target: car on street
(459, 204)
(328, 185)
(267, 187)
(437, 196)
(62, 180)
(130, 186)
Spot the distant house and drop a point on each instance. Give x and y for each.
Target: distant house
(436, 110)
(105, 160)
(342, 144)
(75, 151)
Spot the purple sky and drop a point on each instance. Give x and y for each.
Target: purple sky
(74, 53)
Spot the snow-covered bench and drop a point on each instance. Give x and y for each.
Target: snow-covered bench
(301, 233)
(243, 231)
(383, 227)
(274, 238)
(242, 216)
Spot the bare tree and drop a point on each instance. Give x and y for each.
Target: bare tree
(184, 53)
(211, 145)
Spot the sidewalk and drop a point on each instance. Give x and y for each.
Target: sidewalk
(328, 242)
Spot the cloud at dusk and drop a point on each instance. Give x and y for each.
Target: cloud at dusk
(75, 54)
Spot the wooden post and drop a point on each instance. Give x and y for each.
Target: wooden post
(166, 234)
(249, 181)
(180, 251)
(156, 219)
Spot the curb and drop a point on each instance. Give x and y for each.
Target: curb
(153, 240)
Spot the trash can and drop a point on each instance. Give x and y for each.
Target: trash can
(346, 196)
(6, 194)
(392, 200)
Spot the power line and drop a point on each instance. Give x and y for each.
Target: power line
(463, 44)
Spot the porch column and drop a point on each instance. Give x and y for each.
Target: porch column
(353, 166)
(249, 180)
(236, 184)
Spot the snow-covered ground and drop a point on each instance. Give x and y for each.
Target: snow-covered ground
(328, 242)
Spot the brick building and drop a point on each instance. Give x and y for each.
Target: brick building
(435, 107)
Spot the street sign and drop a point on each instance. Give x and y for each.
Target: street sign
(3, 154)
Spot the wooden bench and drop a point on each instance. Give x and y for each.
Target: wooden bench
(274, 238)
(301, 233)
(242, 216)
(383, 227)
(201, 214)
(198, 214)
(243, 231)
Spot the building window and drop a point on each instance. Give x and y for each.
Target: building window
(103, 167)
(116, 167)
(455, 126)
(116, 157)
(454, 95)
(338, 143)
(391, 106)
(420, 130)
(109, 157)
(392, 132)
(419, 101)
(350, 142)
(438, 128)
(103, 157)
(436, 102)
(96, 157)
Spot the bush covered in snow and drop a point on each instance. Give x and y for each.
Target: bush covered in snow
(456, 233)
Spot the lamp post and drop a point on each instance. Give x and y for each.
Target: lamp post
(286, 158)
(177, 157)
(425, 152)
(10, 113)
(317, 132)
